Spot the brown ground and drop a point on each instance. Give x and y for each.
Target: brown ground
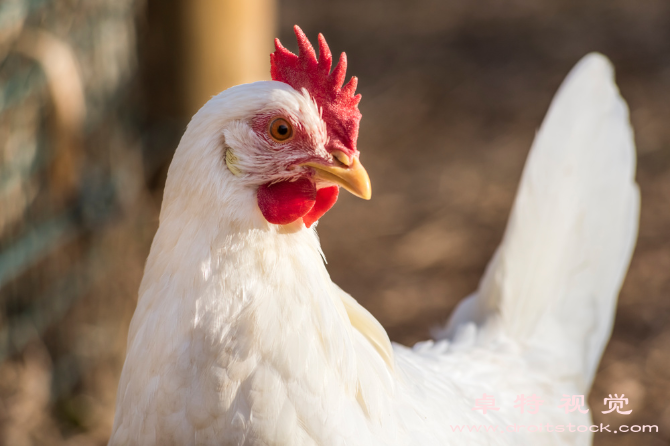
(453, 92)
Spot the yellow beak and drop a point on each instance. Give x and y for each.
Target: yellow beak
(352, 176)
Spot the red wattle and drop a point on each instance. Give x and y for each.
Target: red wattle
(325, 199)
(285, 202)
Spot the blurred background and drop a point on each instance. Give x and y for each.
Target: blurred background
(94, 96)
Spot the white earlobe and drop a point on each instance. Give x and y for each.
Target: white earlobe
(231, 162)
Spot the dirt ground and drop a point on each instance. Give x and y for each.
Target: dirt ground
(453, 92)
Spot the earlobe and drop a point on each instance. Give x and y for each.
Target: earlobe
(231, 162)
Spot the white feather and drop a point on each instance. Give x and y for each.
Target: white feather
(556, 276)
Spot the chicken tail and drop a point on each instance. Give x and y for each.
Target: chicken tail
(554, 280)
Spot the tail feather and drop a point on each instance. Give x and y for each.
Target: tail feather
(554, 281)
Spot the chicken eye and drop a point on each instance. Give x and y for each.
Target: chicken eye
(280, 130)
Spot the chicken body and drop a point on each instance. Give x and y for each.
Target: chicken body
(241, 338)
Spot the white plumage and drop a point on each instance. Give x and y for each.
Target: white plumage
(240, 336)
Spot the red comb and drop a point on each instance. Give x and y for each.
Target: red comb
(339, 105)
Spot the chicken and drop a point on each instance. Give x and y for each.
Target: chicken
(240, 336)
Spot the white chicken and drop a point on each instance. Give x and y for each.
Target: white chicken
(241, 338)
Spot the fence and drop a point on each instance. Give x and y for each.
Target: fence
(70, 170)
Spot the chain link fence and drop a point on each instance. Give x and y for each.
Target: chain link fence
(71, 200)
